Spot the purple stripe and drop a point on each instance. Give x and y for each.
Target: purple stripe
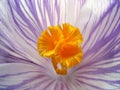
(21, 73)
(18, 9)
(29, 80)
(99, 22)
(24, 83)
(41, 82)
(49, 11)
(99, 45)
(85, 27)
(98, 88)
(94, 79)
(112, 19)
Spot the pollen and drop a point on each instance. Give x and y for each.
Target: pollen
(62, 44)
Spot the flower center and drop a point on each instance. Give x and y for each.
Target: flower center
(62, 45)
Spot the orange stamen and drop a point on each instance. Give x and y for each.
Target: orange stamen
(62, 45)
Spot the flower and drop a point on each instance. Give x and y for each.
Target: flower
(21, 23)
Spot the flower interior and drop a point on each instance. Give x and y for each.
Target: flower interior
(63, 45)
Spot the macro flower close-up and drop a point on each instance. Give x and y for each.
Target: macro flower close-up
(59, 45)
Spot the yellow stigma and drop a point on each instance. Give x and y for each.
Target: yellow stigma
(62, 45)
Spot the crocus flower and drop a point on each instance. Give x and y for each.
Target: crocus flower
(24, 67)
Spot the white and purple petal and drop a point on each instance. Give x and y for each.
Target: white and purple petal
(18, 76)
(21, 66)
(22, 23)
(100, 67)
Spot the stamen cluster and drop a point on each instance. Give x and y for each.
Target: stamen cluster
(62, 45)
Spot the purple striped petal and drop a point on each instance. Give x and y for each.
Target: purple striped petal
(22, 22)
(17, 76)
(100, 68)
